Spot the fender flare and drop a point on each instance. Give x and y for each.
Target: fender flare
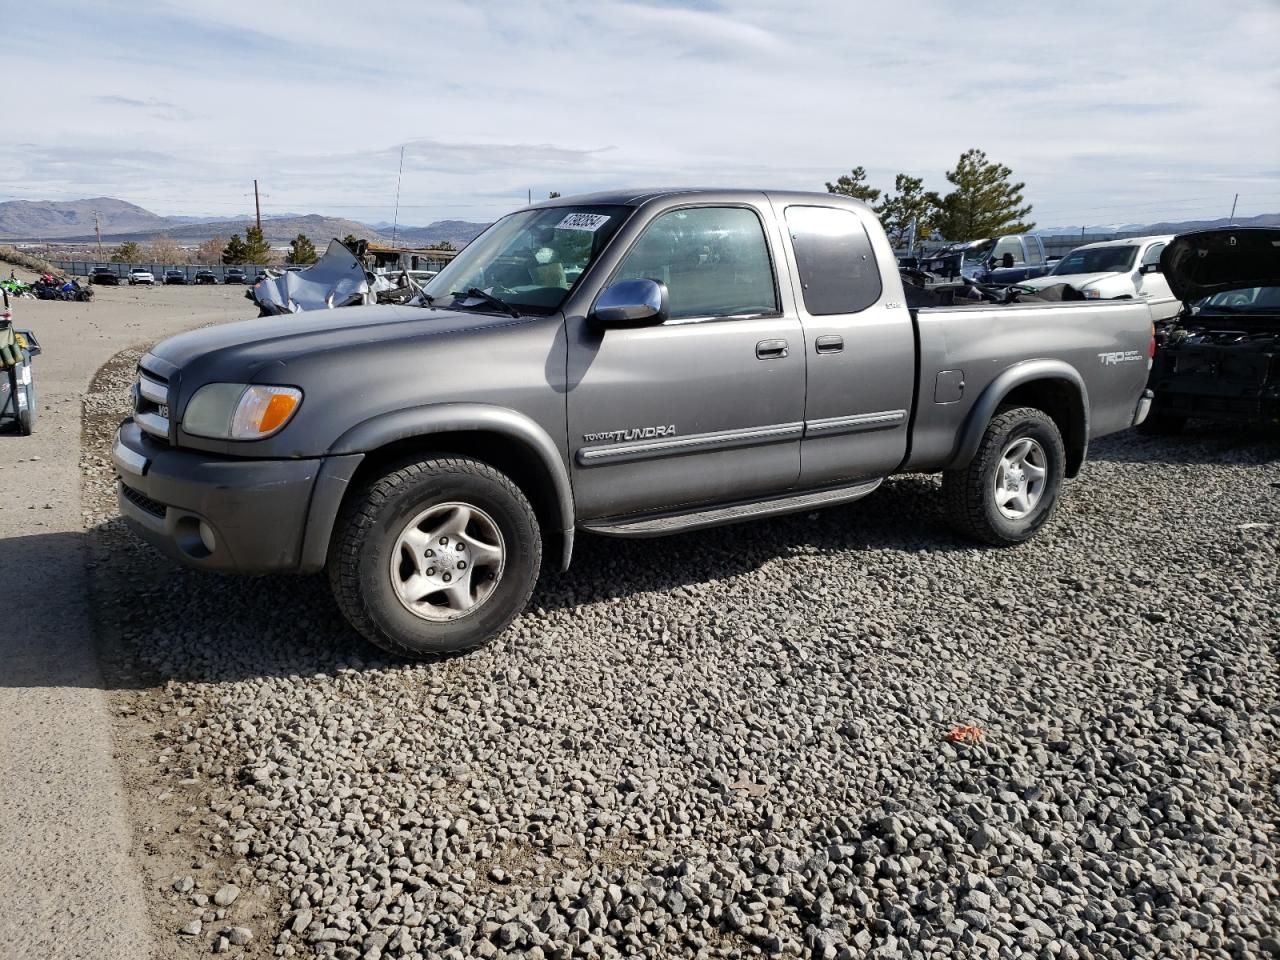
(988, 402)
(376, 432)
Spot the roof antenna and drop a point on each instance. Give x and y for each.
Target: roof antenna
(395, 223)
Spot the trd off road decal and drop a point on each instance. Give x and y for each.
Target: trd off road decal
(634, 433)
(1120, 356)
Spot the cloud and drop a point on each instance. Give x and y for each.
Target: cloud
(181, 109)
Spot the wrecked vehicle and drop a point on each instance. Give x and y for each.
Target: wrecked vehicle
(1127, 269)
(1219, 359)
(997, 261)
(632, 364)
(338, 279)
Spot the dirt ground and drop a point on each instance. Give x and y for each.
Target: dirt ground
(69, 886)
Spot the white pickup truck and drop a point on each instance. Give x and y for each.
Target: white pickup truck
(1127, 269)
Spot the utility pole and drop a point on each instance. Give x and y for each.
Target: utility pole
(395, 223)
(257, 205)
(97, 229)
(531, 195)
(1233, 207)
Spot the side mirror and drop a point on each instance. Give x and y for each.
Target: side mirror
(1007, 260)
(631, 303)
(1149, 268)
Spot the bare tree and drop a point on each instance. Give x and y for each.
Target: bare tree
(211, 250)
(164, 250)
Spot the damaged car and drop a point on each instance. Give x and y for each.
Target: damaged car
(1219, 359)
(338, 279)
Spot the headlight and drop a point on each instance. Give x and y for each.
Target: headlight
(1092, 294)
(240, 411)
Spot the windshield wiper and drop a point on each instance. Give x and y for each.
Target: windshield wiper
(488, 298)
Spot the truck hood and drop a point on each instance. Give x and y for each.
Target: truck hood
(271, 340)
(1077, 280)
(1200, 264)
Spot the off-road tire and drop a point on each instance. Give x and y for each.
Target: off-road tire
(27, 418)
(1162, 424)
(969, 492)
(365, 533)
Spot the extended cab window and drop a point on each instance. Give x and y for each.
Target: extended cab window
(838, 269)
(1033, 250)
(714, 261)
(1153, 254)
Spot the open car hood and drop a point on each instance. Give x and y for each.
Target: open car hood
(1200, 264)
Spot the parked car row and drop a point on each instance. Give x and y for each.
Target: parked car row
(108, 276)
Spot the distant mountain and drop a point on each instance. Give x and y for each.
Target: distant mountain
(275, 229)
(72, 221)
(1165, 226)
(457, 232)
(58, 219)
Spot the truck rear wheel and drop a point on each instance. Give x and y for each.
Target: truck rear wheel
(435, 556)
(1010, 488)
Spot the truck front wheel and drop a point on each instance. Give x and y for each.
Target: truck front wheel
(1010, 488)
(435, 556)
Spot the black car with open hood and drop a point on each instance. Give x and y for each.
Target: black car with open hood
(1199, 265)
(1220, 358)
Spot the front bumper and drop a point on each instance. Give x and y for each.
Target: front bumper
(212, 512)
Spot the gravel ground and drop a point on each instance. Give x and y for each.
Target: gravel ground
(732, 743)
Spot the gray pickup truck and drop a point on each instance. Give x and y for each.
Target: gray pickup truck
(630, 364)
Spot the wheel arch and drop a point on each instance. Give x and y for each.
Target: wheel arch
(505, 439)
(1049, 385)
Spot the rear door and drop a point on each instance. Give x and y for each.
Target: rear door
(860, 345)
(708, 406)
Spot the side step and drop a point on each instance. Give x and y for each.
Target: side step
(661, 524)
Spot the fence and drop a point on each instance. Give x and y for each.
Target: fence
(83, 268)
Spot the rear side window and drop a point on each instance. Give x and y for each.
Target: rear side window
(1033, 249)
(838, 270)
(1153, 254)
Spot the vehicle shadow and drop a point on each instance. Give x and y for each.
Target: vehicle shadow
(156, 622)
(1200, 442)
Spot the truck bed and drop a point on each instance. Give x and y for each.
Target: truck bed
(962, 349)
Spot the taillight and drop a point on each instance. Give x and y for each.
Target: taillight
(1151, 347)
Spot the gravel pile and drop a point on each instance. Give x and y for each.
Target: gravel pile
(733, 743)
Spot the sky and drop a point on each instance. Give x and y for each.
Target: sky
(1110, 113)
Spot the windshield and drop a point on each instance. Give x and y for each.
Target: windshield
(529, 260)
(1097, 260)
(1250, 298)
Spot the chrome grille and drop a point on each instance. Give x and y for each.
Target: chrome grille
(151, 403)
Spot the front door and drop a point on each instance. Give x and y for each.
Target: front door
(861, 369)
(706, 407)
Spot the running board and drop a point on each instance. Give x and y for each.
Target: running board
(661, 524)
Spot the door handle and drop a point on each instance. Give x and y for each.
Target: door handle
(832, 343)
(771, 349)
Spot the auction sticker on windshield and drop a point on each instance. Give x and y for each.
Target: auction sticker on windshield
(589, 222)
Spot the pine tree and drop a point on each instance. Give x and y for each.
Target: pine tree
(984, 203)
(909, 202)
(235, 252)
(553, 195)
(127, 252)
(854, 184)
(301, 251)
(350, 241)
(257, 250)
